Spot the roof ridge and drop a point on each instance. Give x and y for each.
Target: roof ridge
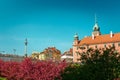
(103, 34)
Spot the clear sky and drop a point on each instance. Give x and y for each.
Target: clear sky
(53, 22)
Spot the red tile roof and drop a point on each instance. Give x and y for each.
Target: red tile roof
(52, 50)
(100, 39)
(70, 51)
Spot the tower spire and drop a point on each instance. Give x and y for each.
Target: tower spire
(95, 18)
(96, 29)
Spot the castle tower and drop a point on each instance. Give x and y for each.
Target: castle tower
(75, 44)
(96, 28)
(76, 39)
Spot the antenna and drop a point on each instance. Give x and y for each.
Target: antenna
(14, 50)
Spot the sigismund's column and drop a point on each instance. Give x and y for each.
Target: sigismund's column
(26, 43)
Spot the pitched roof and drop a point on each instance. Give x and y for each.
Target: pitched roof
(51, 50)
(100, 39)
(70, 52)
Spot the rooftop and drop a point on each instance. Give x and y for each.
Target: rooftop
(100, 39)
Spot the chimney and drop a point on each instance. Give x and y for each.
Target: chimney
(93, 37)
(111, 34)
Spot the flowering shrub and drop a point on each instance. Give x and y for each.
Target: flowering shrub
(29, 70)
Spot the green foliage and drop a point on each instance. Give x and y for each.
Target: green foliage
(102, 64)
(71, 72)
(2, 78)
(97, 64)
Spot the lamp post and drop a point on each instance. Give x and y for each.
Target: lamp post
(2, 51)
(26, 43)
(14, 50)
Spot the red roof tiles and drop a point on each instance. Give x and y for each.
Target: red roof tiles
(100, 39)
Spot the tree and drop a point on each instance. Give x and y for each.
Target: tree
(96, 64)
(71, 72)
(100, 64)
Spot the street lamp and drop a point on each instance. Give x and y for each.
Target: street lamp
(2, 51)
(14, 50)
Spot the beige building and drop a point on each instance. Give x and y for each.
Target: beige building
(42, 56)
(50, 53)
(35, 55)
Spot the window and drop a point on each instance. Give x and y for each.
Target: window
(77, 53)
(82, 47)
(78, 59)
(119, 44)
(77, 48)
(95, 46)
(105, 45)
(113, 45)
(87, 47)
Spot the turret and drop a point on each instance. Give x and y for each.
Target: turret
(96, 28)
(76, 39)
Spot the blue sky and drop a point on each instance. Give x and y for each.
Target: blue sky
(53, 22)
